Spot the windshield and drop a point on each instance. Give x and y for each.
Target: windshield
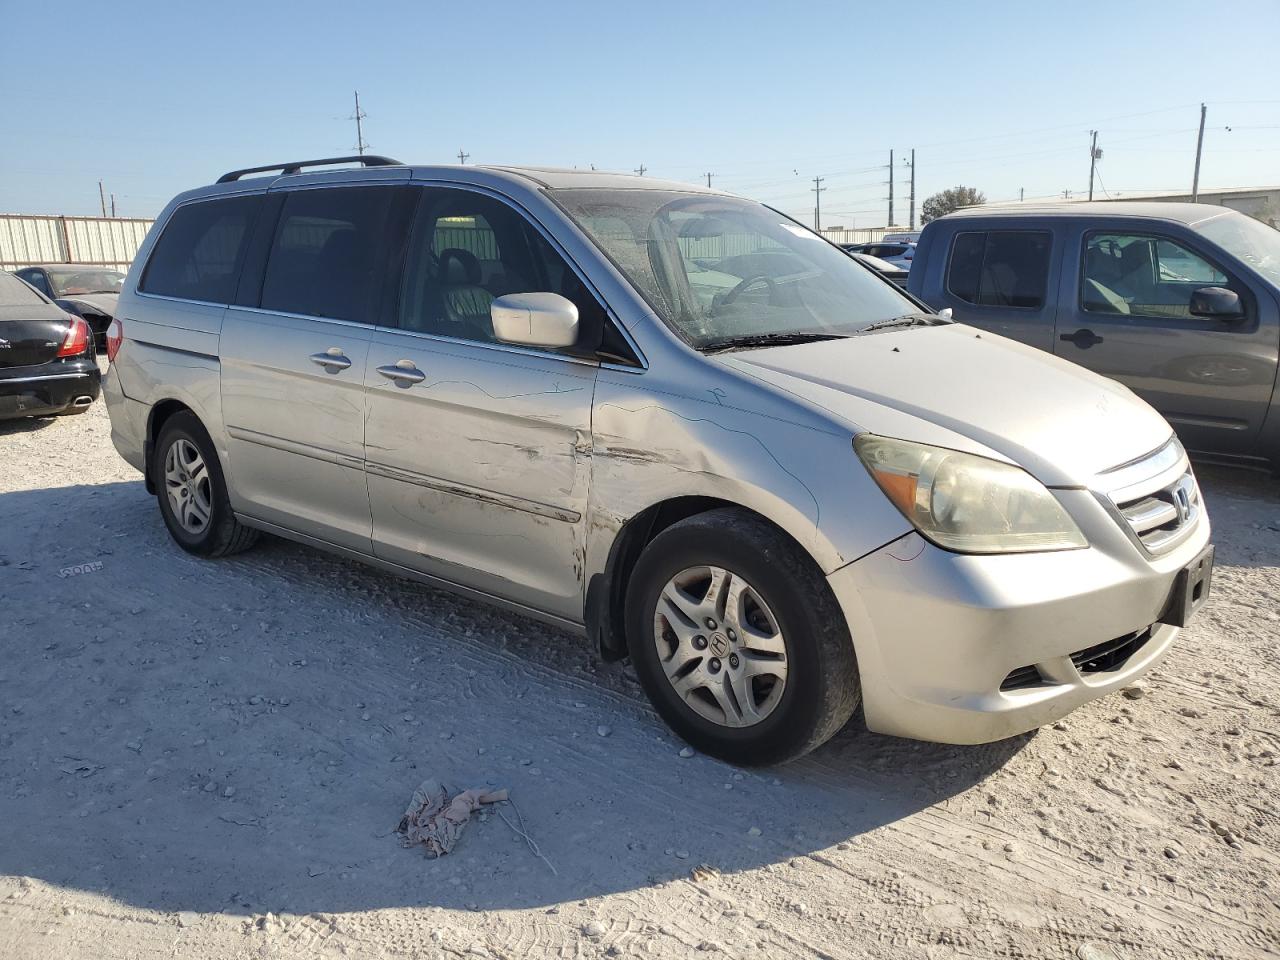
(718, 268)
(69, 283)
(1248, 239)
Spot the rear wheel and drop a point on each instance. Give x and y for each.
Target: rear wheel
(738, 641)
(192, 492)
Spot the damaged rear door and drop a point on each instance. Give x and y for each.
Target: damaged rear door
(478, 452)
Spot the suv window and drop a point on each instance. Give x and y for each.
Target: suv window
(326, 259)
(1144, 276)
(467, 250)
(1000, 268)
(198, 255)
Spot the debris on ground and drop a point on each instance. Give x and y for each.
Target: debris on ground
(436, 821)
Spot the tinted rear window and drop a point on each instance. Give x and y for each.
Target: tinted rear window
(1000, 268)
(14, 292)
(198, 255)
(325, 259)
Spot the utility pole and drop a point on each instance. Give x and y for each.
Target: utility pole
(1021, 191)
(113, 205)
(358, 116)
(102, 198)
(817, 203)
(640, 170)
(462, 157)
(913, 188)
(1094, 154)
(708, 180)
(1195, 181)
(890, 223)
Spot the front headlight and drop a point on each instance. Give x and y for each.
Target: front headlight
(968, 503)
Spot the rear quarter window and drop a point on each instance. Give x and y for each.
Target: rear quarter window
(1000, 268)
(200, 250)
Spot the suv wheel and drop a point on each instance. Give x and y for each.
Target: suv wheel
(738, 641)
(192, 493)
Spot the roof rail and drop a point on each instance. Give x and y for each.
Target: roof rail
(366, 159)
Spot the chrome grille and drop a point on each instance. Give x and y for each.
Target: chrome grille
(1156, 497)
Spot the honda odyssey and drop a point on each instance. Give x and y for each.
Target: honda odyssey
(669, 419)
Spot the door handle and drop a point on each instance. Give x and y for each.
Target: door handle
(1084, 339)
(332, 359)
(403, 370)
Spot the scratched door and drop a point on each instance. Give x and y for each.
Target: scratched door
(478, 452)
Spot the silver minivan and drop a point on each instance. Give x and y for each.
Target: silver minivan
(670, 419)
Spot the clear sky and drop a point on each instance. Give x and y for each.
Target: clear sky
(154, 98)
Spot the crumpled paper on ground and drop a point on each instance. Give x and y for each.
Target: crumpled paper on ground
(436, 821)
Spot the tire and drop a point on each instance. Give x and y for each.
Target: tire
(788, 608)
(220, 534)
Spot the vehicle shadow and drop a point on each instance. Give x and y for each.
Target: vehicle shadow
(242, 736)
(19, 425)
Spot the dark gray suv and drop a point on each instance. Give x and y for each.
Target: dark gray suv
(1178, 301)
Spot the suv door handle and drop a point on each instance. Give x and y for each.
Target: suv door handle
(403, 370)
(1084, 339)
(332, 359)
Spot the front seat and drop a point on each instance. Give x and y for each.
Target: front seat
(464, 302)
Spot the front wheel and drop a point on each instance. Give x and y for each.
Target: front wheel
(738, 641)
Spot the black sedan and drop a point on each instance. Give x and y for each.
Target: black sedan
(83, 290)
(47, 359)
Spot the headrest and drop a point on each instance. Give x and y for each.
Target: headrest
(458, 267)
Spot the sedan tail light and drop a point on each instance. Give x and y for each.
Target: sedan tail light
(115, 333)
(77, 339)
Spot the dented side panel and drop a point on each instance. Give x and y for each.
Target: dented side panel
(478, 474)
(702, 429)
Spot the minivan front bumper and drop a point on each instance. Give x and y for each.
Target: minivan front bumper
(937, 633)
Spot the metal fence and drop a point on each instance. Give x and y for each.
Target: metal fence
(96, 241)
(858, 235)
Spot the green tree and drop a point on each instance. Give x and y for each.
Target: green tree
(948, 201)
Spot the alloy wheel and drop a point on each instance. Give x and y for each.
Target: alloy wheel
(186, 481)
(720, 646)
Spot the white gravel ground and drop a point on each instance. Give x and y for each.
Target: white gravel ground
(207, 759)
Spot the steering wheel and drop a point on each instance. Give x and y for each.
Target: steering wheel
(745, 285)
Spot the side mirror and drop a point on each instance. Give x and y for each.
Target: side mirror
(1216, 302)
(946, 313)
(535, 319)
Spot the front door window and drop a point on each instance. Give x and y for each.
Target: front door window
(1143, 276)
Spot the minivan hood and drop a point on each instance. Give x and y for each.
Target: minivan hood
(959, 387)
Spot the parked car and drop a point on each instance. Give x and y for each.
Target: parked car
(899, 254)
(47, 362)
(83, 290)
(1178, 301)
(910, 236)
(890, 271)
(780, 498)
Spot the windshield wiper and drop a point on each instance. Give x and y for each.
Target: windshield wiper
(906, 320)
(748, 340)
